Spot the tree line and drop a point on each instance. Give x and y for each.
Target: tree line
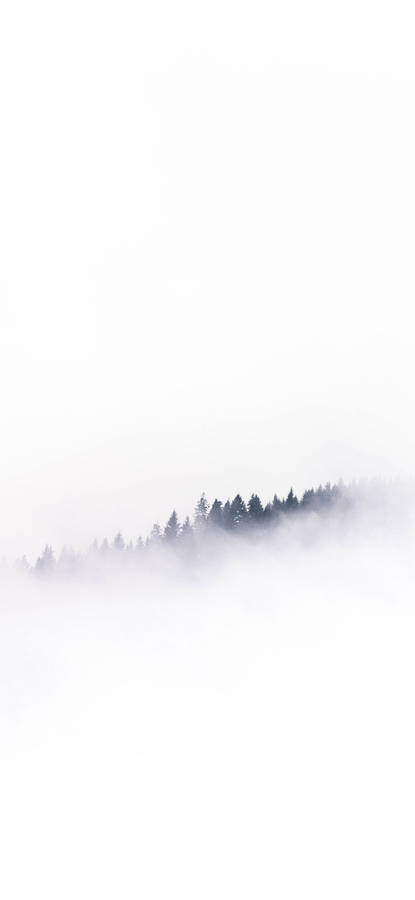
(235, 516)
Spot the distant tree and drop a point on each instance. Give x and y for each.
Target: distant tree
(291, 502)
(186, 529)
(139, 547)
(327, 494)
(118, 542)
(255, 509)
(215, 517)
(276, 506)
(172, 528)
(201, 511)
(226, 515)
(104, 549)
(46, 563)
(267, 514)
(238, 512)
(308, 499)
(155, 534)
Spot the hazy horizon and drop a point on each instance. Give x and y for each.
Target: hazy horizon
(207, 280)
(207, 284)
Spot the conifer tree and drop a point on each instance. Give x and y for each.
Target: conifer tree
(186, 529)
(172, 528)
(215, 517)
(155, 534)
(118, 542)
(276, 506)
(291, 502)
(226, 515)
(255, 509)
(238, 512)
(46, 563)
(201, 512)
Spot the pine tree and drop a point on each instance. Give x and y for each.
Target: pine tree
(255, 509)
(276, 506)
(186, 529)
(201, 511)
(46, 563)
(238, 512)
(172, 528)
(118, 542)
(291, 502)
(226, 515)
(215, 517)
(155, 534)
(308, 499)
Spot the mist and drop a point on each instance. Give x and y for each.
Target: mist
(246, 729)
(206, 284)
(207, 272)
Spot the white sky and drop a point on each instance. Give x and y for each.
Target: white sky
(207, 256)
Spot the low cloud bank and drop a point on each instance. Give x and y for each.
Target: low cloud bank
(221, 532)
(239, 730)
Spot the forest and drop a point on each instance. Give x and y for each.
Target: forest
(210, 526)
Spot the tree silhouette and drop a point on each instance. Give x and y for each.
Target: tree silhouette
(255, 509)
(46, 563)
(188, 539)
(238, 512)
(215, 516)
(201, 511)
(172, 528)
(118, 542)
(291, 502)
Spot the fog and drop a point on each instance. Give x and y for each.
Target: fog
(246, 729)
(207, 273)
(206, 284)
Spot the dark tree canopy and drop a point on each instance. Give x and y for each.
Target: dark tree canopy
(201, 511)
(172, 528)
(255, 509)
(238, 512)
(234, 516)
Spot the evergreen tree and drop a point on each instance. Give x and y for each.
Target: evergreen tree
(68, 561)
(172, 528)
(155, 534)
(238, 512)
(255, 509)
(276, 506)
(215, 517)
(118, 542)
(186, 529)
(291, 502)
(226, 515)
(308, 499)
(201, 511)
(46, 563)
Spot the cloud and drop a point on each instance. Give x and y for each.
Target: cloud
(244, 732)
